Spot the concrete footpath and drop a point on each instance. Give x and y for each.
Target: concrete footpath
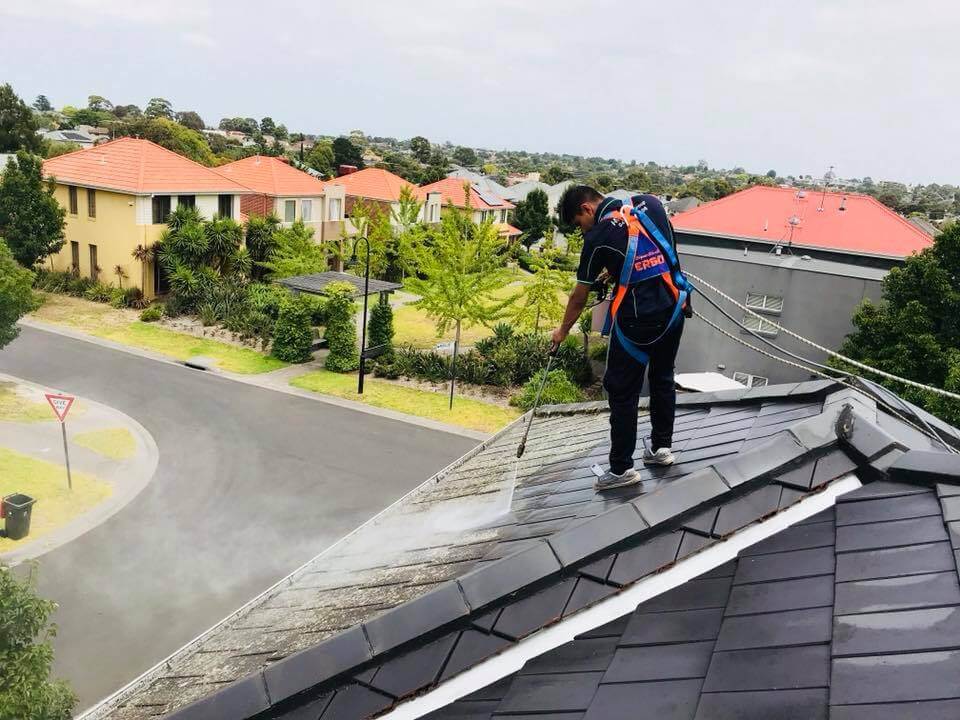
(43, 440)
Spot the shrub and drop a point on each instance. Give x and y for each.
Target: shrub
(152, 314)
(558, 390)
(118, 298)
(77, 286)
(598, 352)
(341, 333)
(207, 314)
(292, 334)
(381, 327)
(98, 292)
(133, 298)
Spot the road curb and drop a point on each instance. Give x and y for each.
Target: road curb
(122, 495)
(253, 380)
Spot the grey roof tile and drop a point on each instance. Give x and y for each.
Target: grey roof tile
(895, 678)
(890, 534)
(779, 451)
(951, 508)
(865, 438)
(550, 693)
(947, 490)
(669, 700)
(926, 467)
(582, 540)
(785, 566)
(241, 699)
(409, 673)
(679, 496)
(599, 569)
(582, 655)
(472, 647)
(355, 702)
(536, 611)
(871, 511)
(466, 710)
(614, 628)
(810, 704)
(678, 661)
(880, 489)
(693, 595)
(805, 666)
(777, 629)
(894, 562)
(648, 557)
(800, 476)
(672, 627)
(901, 631)
(798, 537)
(929, 710)
(587, 592)
(416, 617)
(310, 710)
(747, 509)
(900, 593)
(497, 580)
(831, 466)
(702, 523)
(781, 595)
(692, 543)
(953, 530)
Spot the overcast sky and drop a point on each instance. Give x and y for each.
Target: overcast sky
(869, 87)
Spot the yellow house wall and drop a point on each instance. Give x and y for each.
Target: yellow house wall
(115, 233)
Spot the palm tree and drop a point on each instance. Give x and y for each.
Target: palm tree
(144, 255)
(120, 273)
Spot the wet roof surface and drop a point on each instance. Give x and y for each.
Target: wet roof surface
(491, 551)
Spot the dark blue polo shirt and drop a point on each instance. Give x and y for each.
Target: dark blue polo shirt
(605, 246)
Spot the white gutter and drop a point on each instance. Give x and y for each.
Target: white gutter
(616, 606)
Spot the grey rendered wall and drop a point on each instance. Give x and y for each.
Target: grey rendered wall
(815, 305)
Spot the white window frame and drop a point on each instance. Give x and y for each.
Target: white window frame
(749, 380)
(760, 326)
(334, 209)
(306, 210)
(289, 216)
(761, 302)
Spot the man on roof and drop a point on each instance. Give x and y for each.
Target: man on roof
(644, 322)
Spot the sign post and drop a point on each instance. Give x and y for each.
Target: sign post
(61, 406)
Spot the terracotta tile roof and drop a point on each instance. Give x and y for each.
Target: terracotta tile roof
(863, 226)
(451, 190)
(372, 183)
(132, 165)
(271, 176)
(508, 229)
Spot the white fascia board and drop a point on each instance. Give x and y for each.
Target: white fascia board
(616, 606)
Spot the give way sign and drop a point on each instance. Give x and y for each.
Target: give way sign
(60, 404)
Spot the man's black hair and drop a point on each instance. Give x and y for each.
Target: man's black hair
(571, 200)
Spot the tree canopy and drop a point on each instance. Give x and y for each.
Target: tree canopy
(346, 153)
(31, 219)
(159, 107)
(16, 297)
(915, 330)
(532, 215)
(190, 119)
(18, 125)
(420, 147)
(171, 135)
(42, 104)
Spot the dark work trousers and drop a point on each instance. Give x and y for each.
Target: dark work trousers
(623, 382)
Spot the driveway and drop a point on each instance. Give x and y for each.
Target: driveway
(251, 483)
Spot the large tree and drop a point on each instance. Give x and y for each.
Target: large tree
(268, 126)
(16, 300)
(541, 300)
(159, 107)
(321, 158)
(466, 156)
(171, 135)
(26, 655)
(532, 215)
(190, 119)
(420, 147)
(99, 103)
(42, 104)
(915, 330)
(460, 270)
(31, 219)
(346, 153)
(18, 125)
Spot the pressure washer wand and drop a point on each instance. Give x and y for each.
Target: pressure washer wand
(536, 403)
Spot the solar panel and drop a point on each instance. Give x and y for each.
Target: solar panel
(488, 197)
(74, 136)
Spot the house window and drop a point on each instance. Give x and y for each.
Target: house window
(306, 210)
(94, 267)
(759, 325)
(289, 210)
(335, 209)
(433, 213)
(750, 380)
(187, 200)
(75, 256)
(161, 283)
(772, 304)
(225, 206)
(91, 202)
(503, 216)
(72, 195)
(161, 209)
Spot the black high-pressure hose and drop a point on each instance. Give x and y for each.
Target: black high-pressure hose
(536, 402)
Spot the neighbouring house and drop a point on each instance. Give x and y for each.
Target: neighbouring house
(118, 196)
(798, 561)
(804, 259)
(382, 188)
(483, 204)
(480, 180)
(679, 205)
(622, 194)
(520, 191)
(289, 193)
(77, 137)
(922, 223)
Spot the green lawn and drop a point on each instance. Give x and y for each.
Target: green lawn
(47, 483)
(467, 412)
(16, 408)
(114, 443)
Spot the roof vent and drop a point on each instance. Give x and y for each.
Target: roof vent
(766, 224)
(793, 220)
(843, 203)
(801, 194)
(806, 257)
(778, 250)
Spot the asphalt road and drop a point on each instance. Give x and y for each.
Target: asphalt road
(251, 483)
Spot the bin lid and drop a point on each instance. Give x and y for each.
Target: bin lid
(18, 500)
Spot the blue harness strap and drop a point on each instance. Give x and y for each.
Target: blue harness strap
(631, 275)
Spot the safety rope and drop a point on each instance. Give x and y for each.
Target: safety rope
(833, 353)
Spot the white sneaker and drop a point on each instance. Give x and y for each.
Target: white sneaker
(607, 480)
(662, 456)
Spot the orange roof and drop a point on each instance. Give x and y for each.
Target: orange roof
(136, 166)
(508, 229)
(451, 190)
(864, 226)
(372, 183)
(271, 176)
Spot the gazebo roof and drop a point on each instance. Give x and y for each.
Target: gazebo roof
(316, 284)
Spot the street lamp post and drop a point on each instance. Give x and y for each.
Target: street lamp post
(366, 290)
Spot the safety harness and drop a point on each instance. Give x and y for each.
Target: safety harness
(649, 256)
